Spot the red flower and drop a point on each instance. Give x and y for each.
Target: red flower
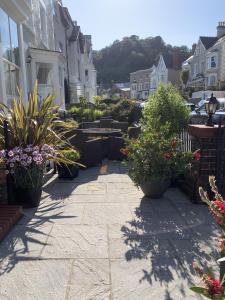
(197, 155)
(168, 155)
(213, 286)
(219, 205)
(124, 151)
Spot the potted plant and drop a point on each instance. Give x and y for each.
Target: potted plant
(154, 158)
(149, 159)
(34, 135)
(70, 171)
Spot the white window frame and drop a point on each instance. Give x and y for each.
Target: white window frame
(195, 68)
(45, 42)
(209, 61)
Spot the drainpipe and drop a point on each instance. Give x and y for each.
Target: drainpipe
(67, 64)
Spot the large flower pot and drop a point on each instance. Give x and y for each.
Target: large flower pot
(27, 197)
(68, 172)
(155, 189)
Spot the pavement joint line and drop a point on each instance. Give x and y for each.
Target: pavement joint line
(109, 261)
(46, 241)
(69, 283)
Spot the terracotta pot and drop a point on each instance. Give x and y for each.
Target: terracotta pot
(155, 189)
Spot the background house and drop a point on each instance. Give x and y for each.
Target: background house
(207, 65)
(145, 82)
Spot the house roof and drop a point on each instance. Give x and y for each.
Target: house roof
(208, 41)
(122, 85)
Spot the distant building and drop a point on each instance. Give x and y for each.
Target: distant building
(122, 90)
(140, 84)
(207, 65)
(145, 82)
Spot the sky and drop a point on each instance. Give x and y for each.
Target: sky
(178, 22)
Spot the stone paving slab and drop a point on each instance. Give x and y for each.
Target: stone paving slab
(36, 280)
(90, 280)
(25, 241)
(98, 238)
(110, 213)
(76, 241)
(138, 279)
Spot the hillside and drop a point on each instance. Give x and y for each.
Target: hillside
(115, 62)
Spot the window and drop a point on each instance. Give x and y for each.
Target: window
(30, 18)
(146, 85)
(43, 23)
(202, 67)
(140, 86)
(195, 69)
(212, 80)
(86, 75)
(60, 47)
(10, 50)
(212, 62)
(79, 70)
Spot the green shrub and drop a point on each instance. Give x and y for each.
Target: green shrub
(85, 114)
(72, 155)
(165, 108)
(122, 111)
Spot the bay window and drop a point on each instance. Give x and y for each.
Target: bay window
(10, 53)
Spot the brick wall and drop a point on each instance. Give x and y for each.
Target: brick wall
(3, 193)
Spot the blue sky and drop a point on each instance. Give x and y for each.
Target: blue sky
(179, 22)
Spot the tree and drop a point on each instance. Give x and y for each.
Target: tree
(165, 109)
(184, 77)
(117, 61)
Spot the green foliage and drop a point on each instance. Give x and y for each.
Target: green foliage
(97, 100)
(116, 62)
(29, 178)
(33, 125)
(83, 101)
(165, 108)
(81, 114)
(184, 77)
(71, 154)
(122, 111)
(154, 157)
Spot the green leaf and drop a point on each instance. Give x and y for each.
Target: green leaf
(199, 290)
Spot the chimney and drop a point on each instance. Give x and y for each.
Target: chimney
(75, 23)
(221, 29)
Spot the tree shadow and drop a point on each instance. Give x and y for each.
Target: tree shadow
(169, 236)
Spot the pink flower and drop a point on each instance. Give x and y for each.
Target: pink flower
(10, 153)
(2, 154)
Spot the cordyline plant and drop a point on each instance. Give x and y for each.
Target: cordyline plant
(213, 288)
(34, 125)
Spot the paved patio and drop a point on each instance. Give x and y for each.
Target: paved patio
(98, 238)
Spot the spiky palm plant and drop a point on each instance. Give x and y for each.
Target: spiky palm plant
(31, 124)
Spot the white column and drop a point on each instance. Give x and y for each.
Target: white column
(23, 68)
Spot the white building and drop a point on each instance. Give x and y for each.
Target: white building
(36, 44)
(145, 82)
